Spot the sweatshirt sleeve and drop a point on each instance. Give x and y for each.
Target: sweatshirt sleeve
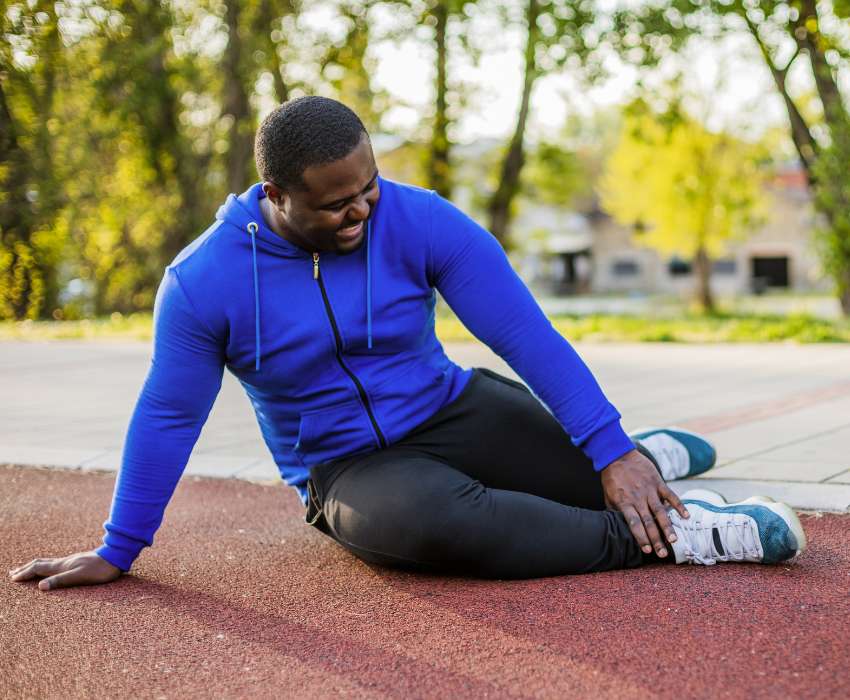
(175, 400)
(471, 271)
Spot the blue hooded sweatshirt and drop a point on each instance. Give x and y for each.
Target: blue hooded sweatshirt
(337, 352)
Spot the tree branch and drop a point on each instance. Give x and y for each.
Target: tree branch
(801, 135)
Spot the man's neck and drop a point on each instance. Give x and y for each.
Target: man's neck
(269, 217)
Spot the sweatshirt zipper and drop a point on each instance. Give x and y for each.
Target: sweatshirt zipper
(363, 398)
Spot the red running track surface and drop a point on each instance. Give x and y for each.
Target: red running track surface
(239, 598)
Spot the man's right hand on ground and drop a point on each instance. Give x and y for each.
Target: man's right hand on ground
(81, 569)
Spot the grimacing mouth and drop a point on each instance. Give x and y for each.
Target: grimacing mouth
(351, 228)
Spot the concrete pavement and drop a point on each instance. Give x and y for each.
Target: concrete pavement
(779, 414)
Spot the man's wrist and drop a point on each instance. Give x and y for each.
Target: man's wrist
(607, 445)
(119, 558)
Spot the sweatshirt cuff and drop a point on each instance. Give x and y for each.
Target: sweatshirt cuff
(607, 445)
(119, 551)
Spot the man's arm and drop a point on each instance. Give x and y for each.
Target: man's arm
(472, 272)
(184, 379)
(178, 393)
(470, 269)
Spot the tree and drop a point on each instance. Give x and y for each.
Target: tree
(443, 26)
(236, 105)
(554, 175)
(557, 33)
(143, 181)
(348, 67)
(438, 165)
(270, 38)
(694, 189)
(448, 19)
(123, 123)
(783, 31)
(254, 42)
(31, 70)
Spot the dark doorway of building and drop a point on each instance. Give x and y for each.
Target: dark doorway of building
(769, 272)
(575, 273)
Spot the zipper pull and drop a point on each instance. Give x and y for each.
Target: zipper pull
(315, 266)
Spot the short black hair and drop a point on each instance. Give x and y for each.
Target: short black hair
(303, 132)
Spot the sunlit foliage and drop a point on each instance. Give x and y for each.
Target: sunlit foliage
(687, 189)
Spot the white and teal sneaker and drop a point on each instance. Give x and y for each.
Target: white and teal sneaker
(678, 453)
(755, 530)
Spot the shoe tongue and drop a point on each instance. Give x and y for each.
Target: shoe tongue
(718, 544)
(670, 455)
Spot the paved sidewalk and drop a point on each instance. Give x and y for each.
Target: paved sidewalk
(779, 414)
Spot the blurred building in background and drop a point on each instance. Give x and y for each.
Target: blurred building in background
(563, 252)
(590, 252)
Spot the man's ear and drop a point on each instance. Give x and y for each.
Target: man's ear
(276, 195)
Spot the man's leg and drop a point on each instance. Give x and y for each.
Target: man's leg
(398, 507)
(498, 432)
(489, 487)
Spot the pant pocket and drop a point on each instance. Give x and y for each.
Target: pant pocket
(314, 505)
(504, 380)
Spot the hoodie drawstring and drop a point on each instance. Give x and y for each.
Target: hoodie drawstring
(368, 285)
(252, 228)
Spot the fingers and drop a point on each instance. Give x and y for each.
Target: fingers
(663, 520)
(648, 519)
(670, 496)
(635, 524)
(642, 524)
(37, 567)
(64, 580)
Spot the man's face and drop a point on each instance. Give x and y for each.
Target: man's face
(330, 213)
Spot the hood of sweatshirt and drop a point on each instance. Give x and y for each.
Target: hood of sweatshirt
(244, 213)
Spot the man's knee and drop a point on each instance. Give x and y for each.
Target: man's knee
(428, 522)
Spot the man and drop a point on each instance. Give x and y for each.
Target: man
(316, 288)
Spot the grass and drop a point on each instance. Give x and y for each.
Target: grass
(688, 328)
(114, 327)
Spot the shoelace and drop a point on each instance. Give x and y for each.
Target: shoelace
(738, 535)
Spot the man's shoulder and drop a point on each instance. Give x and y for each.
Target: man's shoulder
(203, 250)
(404, 207)
(403, 195)
(405, 189)
(204, 268)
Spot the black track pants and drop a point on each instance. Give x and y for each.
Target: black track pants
(489, 486)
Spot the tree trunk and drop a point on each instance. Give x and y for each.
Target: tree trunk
(801, 135)
(702, 267)
(236, 104)
(500, 203)
(824, 167)
(281, 89)
(16, 219)
(438, 169)
(844, 299)
(831, 193)
(268, 13)
(27, 278)
(149, 86)
(812, 41)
